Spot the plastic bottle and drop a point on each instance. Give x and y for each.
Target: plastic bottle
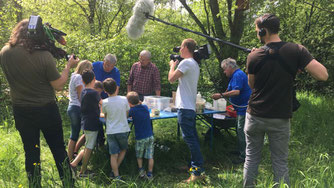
(198, 97)
(221, 104)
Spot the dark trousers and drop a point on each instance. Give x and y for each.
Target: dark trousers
(100, 135)
(29, 121)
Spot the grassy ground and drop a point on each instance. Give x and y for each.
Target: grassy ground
(310, 159)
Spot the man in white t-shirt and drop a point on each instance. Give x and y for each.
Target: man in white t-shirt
(187, 73)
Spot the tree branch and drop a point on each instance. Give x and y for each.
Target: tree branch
(198, 22)
(207, 16)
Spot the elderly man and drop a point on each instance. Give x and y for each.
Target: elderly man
(144, 76)
(103, 70)
(106, 69)
(239, 92)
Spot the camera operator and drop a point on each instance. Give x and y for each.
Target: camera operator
(270, 105)
(187, 73)
(33, 78)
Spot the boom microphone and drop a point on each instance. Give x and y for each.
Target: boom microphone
(135, 26)
(143, 10)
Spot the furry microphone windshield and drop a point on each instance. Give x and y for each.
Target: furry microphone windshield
(135, 26)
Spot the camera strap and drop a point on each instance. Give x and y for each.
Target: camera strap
(273, 53)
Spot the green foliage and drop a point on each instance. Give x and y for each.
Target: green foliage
(311, 26)
(314, 31)
(310, 158)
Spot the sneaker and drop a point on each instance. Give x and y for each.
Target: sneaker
(238, 161)
(87, 174)
(194, 178)
(142, 173)
(118, 178)
(149, 176)
(111, 175)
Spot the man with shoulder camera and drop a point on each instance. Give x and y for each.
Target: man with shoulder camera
(33, 78)
(187, 74)
(144, 76)
(270, 104)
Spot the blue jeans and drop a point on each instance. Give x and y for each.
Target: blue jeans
(74, 113)
(117, 142)
(187, 122)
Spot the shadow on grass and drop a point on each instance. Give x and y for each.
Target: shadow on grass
(171, 158)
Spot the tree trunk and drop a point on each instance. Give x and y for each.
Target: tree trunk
(236, 26)
(92, 6)
(89, 14)
(18, 11)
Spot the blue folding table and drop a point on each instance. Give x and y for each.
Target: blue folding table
(206, 117)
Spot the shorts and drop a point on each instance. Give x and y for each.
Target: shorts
(117, 142)
(145, 148)
(90, 139)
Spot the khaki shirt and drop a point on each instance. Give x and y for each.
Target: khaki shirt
(29, 75)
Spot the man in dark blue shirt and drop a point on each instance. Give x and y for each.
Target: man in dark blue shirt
(239, 92)
(106, 69)
(103, 70)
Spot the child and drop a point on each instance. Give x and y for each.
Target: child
(115, 109)
(144, 133)
(98, 86)
(90, 113)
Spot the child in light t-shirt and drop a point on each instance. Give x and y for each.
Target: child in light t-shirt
(115, 109)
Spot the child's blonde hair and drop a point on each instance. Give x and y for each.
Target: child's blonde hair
(83, 65)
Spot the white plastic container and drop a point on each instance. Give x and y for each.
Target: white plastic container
(219, 105)
(157, 102)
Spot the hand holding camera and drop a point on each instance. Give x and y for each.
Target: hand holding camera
(73, 61)
(173, 63)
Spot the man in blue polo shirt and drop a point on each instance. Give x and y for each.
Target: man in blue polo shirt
(239, 92)
(103, 70)
(106, 69)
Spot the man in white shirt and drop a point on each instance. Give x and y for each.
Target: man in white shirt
(187, 73)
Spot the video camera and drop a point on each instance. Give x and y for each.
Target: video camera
(203, 52)
(44, 37)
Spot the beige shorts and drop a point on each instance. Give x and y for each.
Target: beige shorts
(91, 137)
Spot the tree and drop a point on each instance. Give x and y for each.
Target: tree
(102, 14)
(232, 32)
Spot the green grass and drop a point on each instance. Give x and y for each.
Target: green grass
(310, 159)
